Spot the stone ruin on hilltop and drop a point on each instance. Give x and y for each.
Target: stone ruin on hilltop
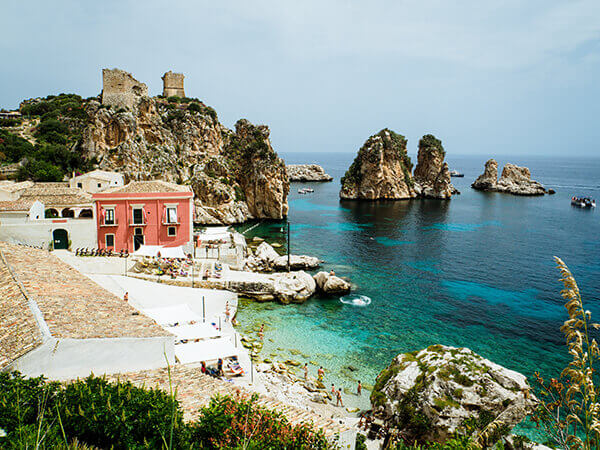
(173, 84)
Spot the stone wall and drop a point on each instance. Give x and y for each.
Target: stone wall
(173, 84)
(120, 89)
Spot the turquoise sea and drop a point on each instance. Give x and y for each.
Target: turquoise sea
(475, 271)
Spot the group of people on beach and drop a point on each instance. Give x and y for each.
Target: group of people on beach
(336, 393)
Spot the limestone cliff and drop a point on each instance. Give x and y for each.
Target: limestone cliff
(381, 170)
(432, 176)
(235, 175)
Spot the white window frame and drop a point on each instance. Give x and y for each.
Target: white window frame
(106, 243)
(106, 210)
(168, 218)
(133, 208)
(174, 228)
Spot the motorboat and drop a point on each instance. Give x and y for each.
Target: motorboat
(583, 202)
(305, 191)
(456, 173)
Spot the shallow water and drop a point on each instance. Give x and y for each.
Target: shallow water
(476, 271)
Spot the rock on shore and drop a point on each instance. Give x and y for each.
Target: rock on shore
(514, 180)
(428, 395)
(307, 172)
(331, 285)
(432, 175)
(266, 259)
(381, 170)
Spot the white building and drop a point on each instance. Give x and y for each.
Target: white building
(97, 181)
(56, 322)
(43, 213)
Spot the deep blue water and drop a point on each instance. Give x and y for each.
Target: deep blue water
(475, 271)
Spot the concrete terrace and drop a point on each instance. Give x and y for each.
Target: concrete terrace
(72, 305)
(194, 390)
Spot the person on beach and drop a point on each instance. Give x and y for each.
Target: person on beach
(333, 390)
(320, 374)
(203, 369)
(331, 272)
(359, 388)
(227, 311)
(220, 368)
(261, 333)
(339, 398)
(306, 371)
(126, 297)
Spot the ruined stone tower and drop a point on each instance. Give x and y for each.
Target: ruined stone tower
(173, 84)
(120, 89)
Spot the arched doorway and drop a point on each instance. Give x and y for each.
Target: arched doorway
(60, 239)
(50, 213)
(138, 238)
(86, 213)
(68, 212)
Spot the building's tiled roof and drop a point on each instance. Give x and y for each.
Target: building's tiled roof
(102, 174)
(72, 305)
(17, 205)
(148, 187)
(56, 194)
(19, 331)
(11, 186)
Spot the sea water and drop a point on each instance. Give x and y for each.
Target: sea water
(476, 271)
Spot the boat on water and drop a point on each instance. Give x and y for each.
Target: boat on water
(305, 191)
(456, 173)
(583, 202)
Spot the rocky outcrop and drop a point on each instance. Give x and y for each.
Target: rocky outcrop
(488, 179)
(330, 284)
(235, 175)
(381, 170)
(517, 180)
(307, 172)
(430, 394)
(432, 175)
(266, 259)
(294, 287)
(514, 180)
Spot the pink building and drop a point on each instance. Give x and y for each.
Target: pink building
(145, 213)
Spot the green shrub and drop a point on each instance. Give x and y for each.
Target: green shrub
(14, 147)
(10, 122)
(174, 99)
(194, 107)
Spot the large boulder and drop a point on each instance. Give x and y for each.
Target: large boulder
(517, 180)
(430, 394)
(331, 285)
(488, 179)
(266, 253)
(381, 170)
(294, 287)
(297, 262)
(432, 176)
(307, 172)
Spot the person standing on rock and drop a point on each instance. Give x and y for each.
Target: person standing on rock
(359, 388)
(261, 333)
(306, 371)
(339, 398)
(320, 374)
(126, 296)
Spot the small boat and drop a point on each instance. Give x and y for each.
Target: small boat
(305, 191)
(583, 202)
(456, 173)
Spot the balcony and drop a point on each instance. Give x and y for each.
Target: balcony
(168, 224)
(138, 224)
(112, 223)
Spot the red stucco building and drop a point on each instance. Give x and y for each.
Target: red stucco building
(145, 213)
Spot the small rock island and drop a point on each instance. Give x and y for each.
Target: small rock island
(307, 172)
(382, 170)
(514, 180)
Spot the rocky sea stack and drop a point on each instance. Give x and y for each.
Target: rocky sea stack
(307, 172)
(430, 394)
(432, 175)
(514, 180)
(383, 170)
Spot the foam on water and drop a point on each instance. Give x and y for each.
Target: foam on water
(356, 300)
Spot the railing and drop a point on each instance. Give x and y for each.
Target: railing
(113, 223)
(166, 222)
(135, 224)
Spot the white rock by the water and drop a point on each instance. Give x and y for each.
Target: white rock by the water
(331, 284)
(297, 262)
(294, 287)
(446, 386)
(307, 172)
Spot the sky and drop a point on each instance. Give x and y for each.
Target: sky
(508, 77)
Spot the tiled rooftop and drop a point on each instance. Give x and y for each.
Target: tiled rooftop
(194, 390)
(19, 332)
(17, 205)
(74, 306)
(56, 194)
(135, 187)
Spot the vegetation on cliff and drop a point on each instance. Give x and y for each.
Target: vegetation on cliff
(429, 141)
(56, 136)
(92, 412)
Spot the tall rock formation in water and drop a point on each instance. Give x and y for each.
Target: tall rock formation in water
(381, 170)
(235, 175)
(514, 180)
(432, 176)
